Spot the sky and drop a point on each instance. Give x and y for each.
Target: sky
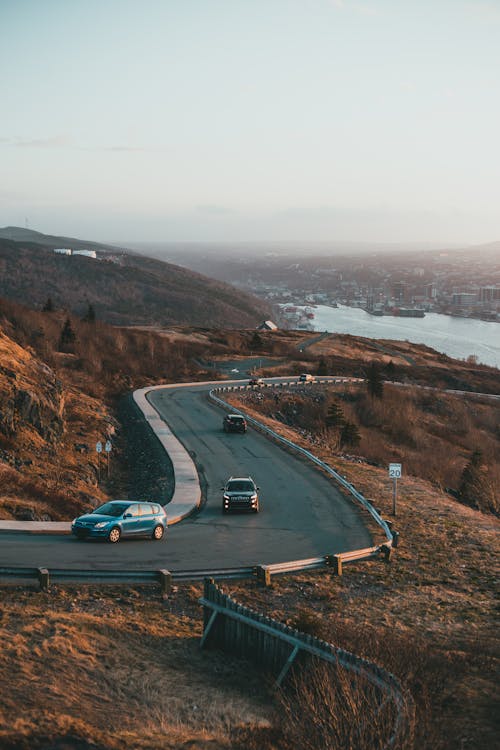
(251, 120)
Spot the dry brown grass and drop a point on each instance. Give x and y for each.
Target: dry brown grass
(430, 616)
(433, 434)
(122, 671)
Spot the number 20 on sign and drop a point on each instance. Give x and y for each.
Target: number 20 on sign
(395, 472)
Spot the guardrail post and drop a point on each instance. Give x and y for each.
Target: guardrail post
(335, 562)
(43, 579)
(165, 577)
(387, 551)
(395, 538)
(264, 574)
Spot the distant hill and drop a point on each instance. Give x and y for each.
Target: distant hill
(124, 288)
(20, 234)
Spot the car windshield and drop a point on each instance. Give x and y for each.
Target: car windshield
(241, 485)
(112, 509)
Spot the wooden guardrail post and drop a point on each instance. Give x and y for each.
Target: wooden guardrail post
(264, 574)
(43, 579)
(335, 562)
(395, 538)
(387, 551)
(165, 577)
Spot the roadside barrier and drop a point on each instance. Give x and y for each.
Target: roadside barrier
(188, 485)
(391, 537)
(275, 646)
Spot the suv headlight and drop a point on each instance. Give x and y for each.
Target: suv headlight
(225, 496)
(101, 524)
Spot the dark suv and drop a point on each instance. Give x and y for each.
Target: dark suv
(240, 493)
(234, 423)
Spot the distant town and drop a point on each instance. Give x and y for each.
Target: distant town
(464, 283)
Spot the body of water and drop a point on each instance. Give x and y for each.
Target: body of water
(456, 337)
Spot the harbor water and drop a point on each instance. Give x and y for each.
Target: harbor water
(456, 337)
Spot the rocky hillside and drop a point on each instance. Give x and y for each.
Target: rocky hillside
(123, 288)
(46, 470)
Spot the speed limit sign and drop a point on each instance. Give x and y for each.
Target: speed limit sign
(395, 471)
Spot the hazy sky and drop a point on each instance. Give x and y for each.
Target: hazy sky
(251, 119)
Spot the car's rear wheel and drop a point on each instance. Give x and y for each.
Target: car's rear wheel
(114, 535)
(158, 532)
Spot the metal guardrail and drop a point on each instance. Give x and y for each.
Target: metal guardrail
(58, 575)
(354, 554)
(264, 572)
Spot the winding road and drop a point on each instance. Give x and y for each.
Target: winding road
(303, 514)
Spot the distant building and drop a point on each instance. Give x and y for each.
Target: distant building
(267, 325)
(62, 250)
(464, 299)
(489, 293)
(86, 253)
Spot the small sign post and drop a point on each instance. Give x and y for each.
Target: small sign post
(107, 448)
(395, 472)
(98, 448)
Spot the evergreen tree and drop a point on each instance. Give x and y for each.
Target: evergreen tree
(470, 483)
(390, 370)
(322, 367)
(89, 316)
(374, 381)
(48, 306)
(349, 435)
(335, 418)
(67, 337)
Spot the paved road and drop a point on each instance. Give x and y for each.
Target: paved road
(303, 514)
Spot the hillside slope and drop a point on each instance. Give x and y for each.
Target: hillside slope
(123, 288)
(43, 472)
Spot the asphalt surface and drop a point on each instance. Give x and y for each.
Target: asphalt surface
(303, 514)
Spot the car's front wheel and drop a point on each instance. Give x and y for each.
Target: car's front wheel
(158, 533)
(114, 535)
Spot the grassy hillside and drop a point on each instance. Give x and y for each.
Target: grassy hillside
(123, 288)
(428, 617)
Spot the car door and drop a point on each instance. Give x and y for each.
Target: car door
(131, 520)
(146, 519)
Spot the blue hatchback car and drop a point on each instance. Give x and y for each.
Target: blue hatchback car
(119, 518)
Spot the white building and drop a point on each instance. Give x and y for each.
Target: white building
(267, 325)
(86, 253)
(62, 250)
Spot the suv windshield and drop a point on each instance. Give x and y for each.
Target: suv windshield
(112, 509)
(241, 486)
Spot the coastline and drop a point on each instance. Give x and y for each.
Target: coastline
(457, 337)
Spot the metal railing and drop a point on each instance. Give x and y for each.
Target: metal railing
(354, 554)
(262, 571)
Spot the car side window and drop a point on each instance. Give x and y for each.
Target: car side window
(145, 509)
(133, 510)
(155, 509)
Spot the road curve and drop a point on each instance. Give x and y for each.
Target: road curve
(303, 513)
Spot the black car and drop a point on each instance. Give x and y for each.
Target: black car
(240, 493)
(234, 423)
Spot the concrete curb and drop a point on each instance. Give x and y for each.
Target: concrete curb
(187, 492)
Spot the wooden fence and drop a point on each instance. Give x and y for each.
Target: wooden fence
(275, 646)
